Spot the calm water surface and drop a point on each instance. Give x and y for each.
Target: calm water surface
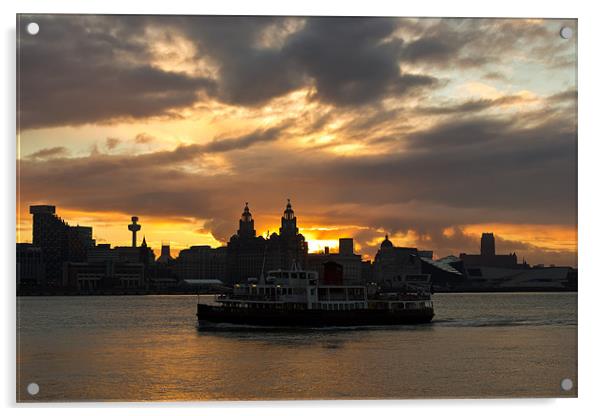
(149, 348)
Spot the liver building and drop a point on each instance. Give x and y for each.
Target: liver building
(249, 255)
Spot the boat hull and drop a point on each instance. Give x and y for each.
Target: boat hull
(211, 314)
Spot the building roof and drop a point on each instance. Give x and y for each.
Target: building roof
(386, 242)
(442, 264)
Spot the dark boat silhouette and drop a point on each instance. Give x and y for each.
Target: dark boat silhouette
(295, 298)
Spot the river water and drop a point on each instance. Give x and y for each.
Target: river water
(140, 348)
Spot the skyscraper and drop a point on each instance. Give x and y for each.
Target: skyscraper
(58, 241)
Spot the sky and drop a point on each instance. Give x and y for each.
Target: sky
(429, 130)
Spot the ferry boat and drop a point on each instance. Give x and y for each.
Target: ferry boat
(295, 298)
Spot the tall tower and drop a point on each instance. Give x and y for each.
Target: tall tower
(487, 245)
(289, 221)
(134, 227)
(165, 256)
(50, 233)
(246, 224)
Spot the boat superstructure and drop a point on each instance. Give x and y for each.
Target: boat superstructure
(297, 298)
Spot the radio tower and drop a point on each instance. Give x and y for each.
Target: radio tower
(134, 227)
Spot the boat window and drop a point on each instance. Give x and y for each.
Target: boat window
(301, 275)
(293, 275)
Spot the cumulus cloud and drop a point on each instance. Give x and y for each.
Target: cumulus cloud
(94, 69)
(99, 69)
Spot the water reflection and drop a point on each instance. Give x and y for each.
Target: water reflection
(150, 348)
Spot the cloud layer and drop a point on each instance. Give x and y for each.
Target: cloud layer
(371, 125)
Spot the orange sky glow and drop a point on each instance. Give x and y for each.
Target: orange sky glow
(369, 133)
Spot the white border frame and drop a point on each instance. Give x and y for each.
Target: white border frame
(590, 206)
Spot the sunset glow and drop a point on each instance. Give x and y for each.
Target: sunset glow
(366, 133)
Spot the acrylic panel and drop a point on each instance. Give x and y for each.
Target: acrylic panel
(286, 208)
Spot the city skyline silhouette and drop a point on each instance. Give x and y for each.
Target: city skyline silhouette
(377, 129)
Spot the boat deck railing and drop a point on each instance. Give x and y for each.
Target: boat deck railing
(247, 297)
(401, 296)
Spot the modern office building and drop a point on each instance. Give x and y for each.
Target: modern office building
(58, 241)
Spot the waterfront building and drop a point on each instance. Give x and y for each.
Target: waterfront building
(446, 273)
(165, 257)
(30, 266)
(289, 246)
(106, 275)
(58, 241)
(500, 279)
(488, 257)
(352, 268)
(394, 265)
(367, 271)
(249, 255)
(246, 253)
(316, 261)
(163, 275)
(119, 268)
(201, 263)
(101, 253)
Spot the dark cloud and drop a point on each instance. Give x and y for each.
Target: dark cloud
(242, 142)
(569, 95)
(49, 153)
(463, 172)
(470, 43)
(351, 60)
(93, 69)
(99, 69)
(466, 165)
(431, 49)
(473, 106)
